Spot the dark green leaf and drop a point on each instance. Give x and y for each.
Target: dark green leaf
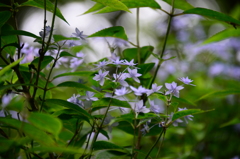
(5, 40)
(180, 4)
(68, 105)
(132, 53)
(4, 5)
(104, 133)
(231, 122)
(116, 4)
(145, 68)
(5, 15)
(46, 60)
(104, 102)
(82, 73)
(58, 38)
(19, 32)
(65, 53)
(46, 122)
(220, 93)
(67, 150)
(184, 101)
(183, 113)
(225, 34)
(40, 4)
(116, 32)
(104, 145)
(213, 14)
(77, 85)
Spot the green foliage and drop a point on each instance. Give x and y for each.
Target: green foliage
(5, 15)
(46, 60)
(180, 4)
(114, 4)
(132, 53)
(76, 85)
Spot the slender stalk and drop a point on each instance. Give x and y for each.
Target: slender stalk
(134, 137)
(161, 143)
(137, 37)
(159, 137)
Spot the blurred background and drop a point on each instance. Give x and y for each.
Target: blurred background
(215, 68)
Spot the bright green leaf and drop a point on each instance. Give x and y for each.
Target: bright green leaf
(65, 53)
(5, 15)
(225, 34)
(180, 4)
(213, 15)
(77, 85)
(116, 32)
(82, 73)
(46, 122)
(96, 7)
(40, 4)
(8, 67)
(116, 4)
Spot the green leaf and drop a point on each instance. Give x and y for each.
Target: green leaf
(131, 4)
(104, 145)
(40, 4)
(116, 32)
(67, 150)
(104, 133)
(182, 100)
(231, 122)
(58, 38)
(46, 122)
(6, 144)
(13, 85)
(29, 130)
(8, 67)
(116, 4)
(213, 15)
(69, 105)
(104, 102)
(82, 73)
(183, 113)
(6, 40)
(225, 34)
(5, 15)
(46, 60)
(4, 5)
(145, 68)
(65, 53)
(20, 32)
(219, 93)
(96, 7)
(77, 85)
(132, 53)
(180, 4)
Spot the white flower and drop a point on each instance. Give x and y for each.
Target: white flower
(173, 89)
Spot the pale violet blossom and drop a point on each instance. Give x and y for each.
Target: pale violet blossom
(117, 62)
(175, 122)
(75, 99)
(122, 91)
(113, 57)
(134, 75)
(138, 107)
(76, 61)
(173, 89)
(187, 117)
(131, 63)
(102, 64)
(79, 34)
(139, 91)
(121, 78)
(100, 77)
(89, 96)
(47, 31)
(154, 89)
(157, 109)
(186, 80)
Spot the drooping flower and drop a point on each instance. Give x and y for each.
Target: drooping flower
(100, 77)
(122, 91)
(139, 91)
(134, 75)
(79, 34)
(154, 89)
(186, 80)
(173, 89)
(138, 107)
(187, 117)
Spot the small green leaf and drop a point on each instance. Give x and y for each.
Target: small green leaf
(132, 53)
(104, 145)
(183, 113)
(231, 122)
(82, 73)
(145, 68)
(180, 4)
(65, 53)
(40, 4)
(19, 32)
(219, 93)
(5, 15)
(213, 15)
(96, 7)
(8, 67)
(116, 32)
(58, 38)
(104, 102)
(182, 100)
(104, 133)
(76, 85)
(116, 4)
(46, 122)
(69, 105)
(46, 60)
(132, 4)
(67, 150)
(225, 34)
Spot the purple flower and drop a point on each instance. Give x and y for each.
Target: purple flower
(79, 34)
(100, 77)
(75, 100)
(102, 64)
(131, 63)
(154, 89)
(139, 91)
(122, 91)
(47, 31)
(139, 107)
(121, 78)
(186, 80)
(173, 89)
(175, 122)
(155, 108)
(89, 96)
(133, 74)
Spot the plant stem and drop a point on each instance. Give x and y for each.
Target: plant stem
(137, 37)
